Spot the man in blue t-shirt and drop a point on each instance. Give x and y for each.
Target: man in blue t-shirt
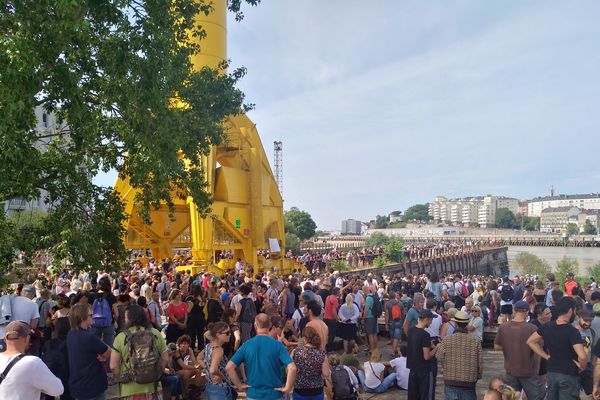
(263, 358)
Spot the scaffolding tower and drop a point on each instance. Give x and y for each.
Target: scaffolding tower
(279, 165)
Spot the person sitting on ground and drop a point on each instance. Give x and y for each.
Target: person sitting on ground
(343, 380)
(372, 376)
(170, 379)
(185, 364)
(399, 365)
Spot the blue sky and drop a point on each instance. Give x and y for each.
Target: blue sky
(384, 104)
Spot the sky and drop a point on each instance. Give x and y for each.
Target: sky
(384, 104)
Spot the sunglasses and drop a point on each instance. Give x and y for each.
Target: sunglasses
(225, 333)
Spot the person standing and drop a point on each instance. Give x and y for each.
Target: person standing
(584, 323)
(313, 311)
(87, 353)
(312, 367)
(421, 351)
(393, 320)
(177, 316)
(24, 309)
(461, 358)
(263, 358)
(25, 377)
(136, 321)
(370, 319)
(566, 355)
(412, 316)
(506, 298)
(102, 310)
(219, 386)
(332, 304)
(520, 362)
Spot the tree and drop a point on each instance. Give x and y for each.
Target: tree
(595, 272)
(505, 219)
(381, 222)
(418, 212)
(292, 242)
(394, 250)
(528, 263)
(113, 71)
(300, 223)
(377, 239)
(531, 223)
(589, 228)
(565, 266)
(572, 229)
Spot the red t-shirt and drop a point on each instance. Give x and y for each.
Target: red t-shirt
(177, 312)
(569, 285)
(331, 306)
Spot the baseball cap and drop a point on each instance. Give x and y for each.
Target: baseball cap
(461, 317)
(521, 305)
(427, 314)
(16, 330)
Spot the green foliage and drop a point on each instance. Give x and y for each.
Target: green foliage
(589, 228)
(530, 223)
(564, 266)
(418, 212)
(339, 265)
(379, 261)
(381, 222)
(377, 239)
(394, 250)
(594, 272)
(299, 223)
(506, 219)
(112, 71)
(399, 224)
(572, 229)
(531, 264)
(292, 242)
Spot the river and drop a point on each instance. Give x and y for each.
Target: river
(585, 256)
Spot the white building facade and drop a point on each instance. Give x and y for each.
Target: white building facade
(470, 211)
(584, 201)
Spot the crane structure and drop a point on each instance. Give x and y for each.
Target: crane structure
(278, 161)
(246, 216)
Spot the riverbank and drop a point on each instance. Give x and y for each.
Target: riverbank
(585, 256)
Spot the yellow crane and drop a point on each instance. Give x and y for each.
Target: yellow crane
(247, 213)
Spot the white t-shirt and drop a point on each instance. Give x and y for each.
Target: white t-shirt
(477, 322)
(19, 384)
(24, 309)
(399, 365)
(372, 380)
(434, 328)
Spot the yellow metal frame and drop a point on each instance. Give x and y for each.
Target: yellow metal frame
(247, 208)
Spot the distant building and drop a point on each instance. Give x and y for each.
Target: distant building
(396, 216)
(470, 211)
(556, 219)
(351, 227)
(583, 201)
(46, 123)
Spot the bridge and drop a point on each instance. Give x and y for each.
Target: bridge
(358, 242)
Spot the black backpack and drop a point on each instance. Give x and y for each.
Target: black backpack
(377, 308)
(303, 321)
(248, 312)
(507, 293)
(342, 385)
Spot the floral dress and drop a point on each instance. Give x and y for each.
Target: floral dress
(309, 363)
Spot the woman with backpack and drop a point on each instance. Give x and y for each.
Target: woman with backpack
(139, 376)
(55, 356)
(219, 386)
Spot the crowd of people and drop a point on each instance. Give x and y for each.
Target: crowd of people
(156, 332)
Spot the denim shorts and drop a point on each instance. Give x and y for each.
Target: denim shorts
(396, 329)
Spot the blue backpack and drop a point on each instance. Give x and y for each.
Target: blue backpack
(101, 313)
